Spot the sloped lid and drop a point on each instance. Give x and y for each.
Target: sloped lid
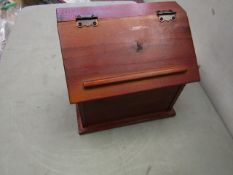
(129, 51)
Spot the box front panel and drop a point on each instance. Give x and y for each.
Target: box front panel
(130, 105)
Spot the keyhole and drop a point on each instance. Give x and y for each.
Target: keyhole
(139, 46)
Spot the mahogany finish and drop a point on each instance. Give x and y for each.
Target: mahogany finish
(129, 68)
(133, 76)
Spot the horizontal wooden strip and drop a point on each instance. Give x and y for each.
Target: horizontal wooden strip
(133, 76)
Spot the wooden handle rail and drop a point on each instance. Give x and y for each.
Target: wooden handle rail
(133, 76)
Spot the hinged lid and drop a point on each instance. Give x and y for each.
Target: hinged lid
(130, 50)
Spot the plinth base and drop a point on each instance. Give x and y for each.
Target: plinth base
(121, 122)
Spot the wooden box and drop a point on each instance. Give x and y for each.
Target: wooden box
(129, 67)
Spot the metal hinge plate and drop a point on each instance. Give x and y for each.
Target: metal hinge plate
(166, 15)
(86, 20)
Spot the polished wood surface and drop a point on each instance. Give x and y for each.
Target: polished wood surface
(130, 68)
(133, 76)
(121, 122)
(116, 11)
(111, 48)
(130, 105)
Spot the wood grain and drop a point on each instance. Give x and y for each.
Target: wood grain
(121, 122)
(111, 48)
(129, 105)
(128, 69)
(133, 76)
(116, 11)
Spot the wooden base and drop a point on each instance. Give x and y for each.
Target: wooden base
(122, 122)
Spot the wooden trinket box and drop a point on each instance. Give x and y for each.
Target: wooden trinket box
(125, 63)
